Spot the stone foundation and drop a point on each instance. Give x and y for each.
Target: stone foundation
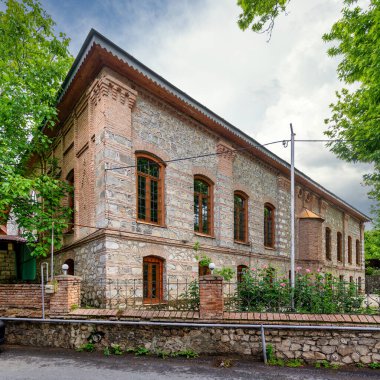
(342, 347)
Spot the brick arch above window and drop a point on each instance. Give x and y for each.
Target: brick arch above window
(201, 171)
(244, 189)
(148, 148)
(150, 176)
(269, 200)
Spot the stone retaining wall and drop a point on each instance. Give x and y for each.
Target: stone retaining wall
(343, 347)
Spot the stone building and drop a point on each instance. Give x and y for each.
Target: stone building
(140, 206)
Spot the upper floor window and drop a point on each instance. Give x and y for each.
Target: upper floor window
(71, 199)
(150, 185)
(328, 243)
(349, 248)
(269, 225)
(339, 250)
(357, 252)
(203, 205)
(240, 217)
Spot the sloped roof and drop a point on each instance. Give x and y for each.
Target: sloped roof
(307, 214)
(98, 51)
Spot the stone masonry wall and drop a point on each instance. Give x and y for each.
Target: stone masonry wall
(114, 120)
(342, 347)
(7, 266)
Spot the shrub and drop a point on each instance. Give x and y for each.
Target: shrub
(260, 291)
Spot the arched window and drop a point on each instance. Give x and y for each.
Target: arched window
(203, 205)
(360, 284)
(328, 243)
(339, 252)
(357, 252)
(71, 199)
(269, 225)
(349, 248)
(153, 268)
(70, 263)
(240, 217)
(351, 280)
(240, 271)
(150, 185)
(203, 270)
(341, 278)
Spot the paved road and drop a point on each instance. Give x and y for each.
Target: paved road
(26, 363)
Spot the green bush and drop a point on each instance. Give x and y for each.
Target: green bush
(315, 292)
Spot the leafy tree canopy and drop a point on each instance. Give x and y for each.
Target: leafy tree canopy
(372, 252)
(372, 245)
(355, 116)
(33, 64)
(259, 15)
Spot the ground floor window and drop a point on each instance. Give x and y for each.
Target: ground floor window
(240, 271)
(152, 279)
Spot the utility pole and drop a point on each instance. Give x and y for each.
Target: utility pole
(52, 253)
(292, 216)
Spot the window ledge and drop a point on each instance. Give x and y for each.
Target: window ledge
(246, 243)
(204, 235)
(270, 248)
(151, 224)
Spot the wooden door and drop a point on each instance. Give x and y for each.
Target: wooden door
(152, 279)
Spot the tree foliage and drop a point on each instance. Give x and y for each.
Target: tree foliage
(33, 64)
(356, 113)
(372, 251)
(259, 15)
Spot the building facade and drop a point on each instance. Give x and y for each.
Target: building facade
(154, 172)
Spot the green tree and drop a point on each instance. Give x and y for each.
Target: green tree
(372, 251)
(259, 15)
(355, 115)
(33, 64)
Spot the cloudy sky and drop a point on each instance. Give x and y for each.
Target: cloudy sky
(258, 86)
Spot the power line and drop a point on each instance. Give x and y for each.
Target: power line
(284, 142)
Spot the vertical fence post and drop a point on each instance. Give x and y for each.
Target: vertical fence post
(263, 343)
(211, 297)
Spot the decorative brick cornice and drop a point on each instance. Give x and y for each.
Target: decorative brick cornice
(113, 89)
(308, 196)
(225, 151)
(323, 205)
